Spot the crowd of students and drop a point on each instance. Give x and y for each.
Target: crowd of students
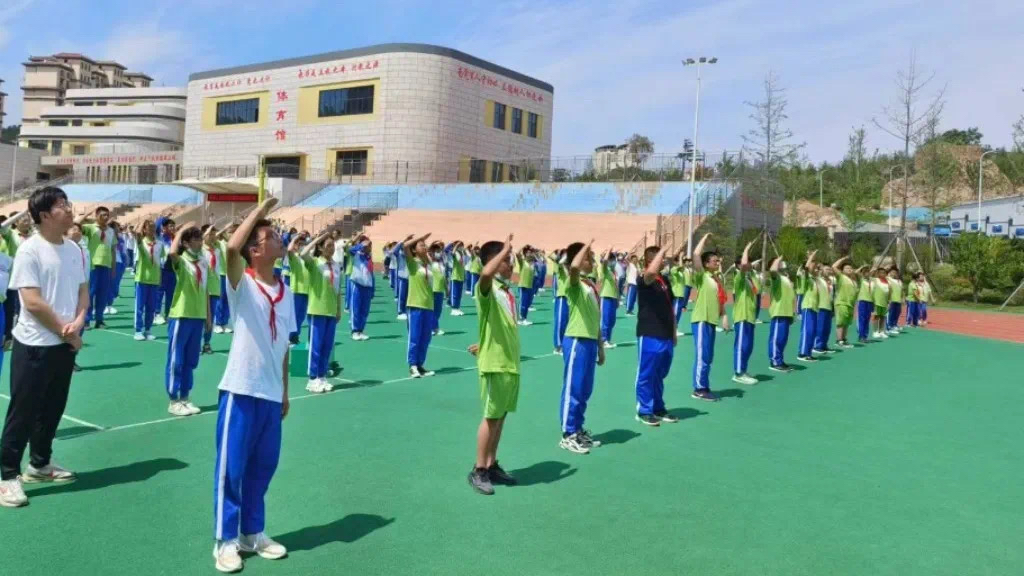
(261, 283)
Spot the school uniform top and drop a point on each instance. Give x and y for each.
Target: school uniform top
(129, 242)
(323, 278)
(782, 296)
(826, 292)
(809, 289)
(631, 274)
(148, 262)
(9, 241)
(677, 278)
(707, 308)
(846, 291)
(880, 292)
(264, 315)
(926, 291)
(499, 337)
(6, 265)
(437, 280)
(299, 275)
(421, 293)
(57, 270)
(191, 274)
(458, 267)
(584, 309)
(609, 284)
(476, 265)
(526, 272)
(913, 291)
(401, 266)
(864, 290)
(896, 289)
(655, 318)
(362, 267)
(101, 244)
(215, 263)
(561, 274)
(745, 294)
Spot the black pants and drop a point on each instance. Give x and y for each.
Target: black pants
(40, 379)
(11, 306)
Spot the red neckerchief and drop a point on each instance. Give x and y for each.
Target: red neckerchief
(272, 300)
(213, 258)
(103, 234)
(512, 298)
(593, 289)
(152, 247)
(722, 298)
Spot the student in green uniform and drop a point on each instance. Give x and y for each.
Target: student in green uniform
(845, 288)
(825, 286)
(892, 321)
(475, 267)
(457, 253)
(102, 238)
(880, 296)
(189, 317)
(560, 279)
(525, 270)
(807, 290)
(582, 349)
(215, 263)
(745, 293)
(420, 304)
(681, 279)
(707, 313)
(913, 292)
(497, 352)
(438, 284)
(865, 306)
(609, 296)
(324, 281)
(299, 283)
(781, 310)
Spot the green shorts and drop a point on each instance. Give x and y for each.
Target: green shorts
(879, 311)
(499, 392)
(844, 316)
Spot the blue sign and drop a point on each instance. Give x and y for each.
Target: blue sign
(997, 228)
(1019, 233)
(974, 225)
(942, 230)
(956, 225)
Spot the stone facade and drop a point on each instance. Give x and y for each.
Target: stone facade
(429, 115)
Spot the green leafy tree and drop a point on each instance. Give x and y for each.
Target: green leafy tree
(969, 137)
(981, 260)
(792, 246)
(938, 170)
(9, 134)
(640, 147)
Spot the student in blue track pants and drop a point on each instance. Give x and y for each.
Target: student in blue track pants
(865, 306)
(438, 284)
(102, 239)
(609, 286)
(457, 255)
(559, 279)
(214, 263)
(120, 264)
(745, 293)
(189, 316)
(165, 231)
(421, 304)
(363, 284)
(401, 280)
(149, 262)
(782, 294)
(823, 320)
(324, 280)
(808, 310)
(632, 274)
(656, 338)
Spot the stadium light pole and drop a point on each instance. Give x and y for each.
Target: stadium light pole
(981, 174)
(693, 162)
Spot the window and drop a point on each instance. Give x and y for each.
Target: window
(517, 120)
(351, 163)
(477, 169)
(497, 171)
(499, 116)
(346, 101)
(532, 125)
(76, 122)
(78, 150)
(56, 146)
(513, 173)
(58, 122)
(238, 112)
(284, 167)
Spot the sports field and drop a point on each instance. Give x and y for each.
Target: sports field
(899, 458)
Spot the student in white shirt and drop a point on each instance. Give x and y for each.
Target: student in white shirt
(253, 392)
(54, 290)
(631, 274)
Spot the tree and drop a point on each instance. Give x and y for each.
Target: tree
(769, 142)
(792, 246)
(980, 259)
(938, 169)
(560, 175)
(1018, 135)
(640, 148)
(969, 137)
(904, 118)
(857, 194)
(9, 134)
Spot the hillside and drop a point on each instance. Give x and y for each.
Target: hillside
(965, 182)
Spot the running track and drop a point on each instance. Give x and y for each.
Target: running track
(995, 325)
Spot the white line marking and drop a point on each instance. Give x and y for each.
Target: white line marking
(66, 417)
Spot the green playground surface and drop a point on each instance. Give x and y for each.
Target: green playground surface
(901, 458)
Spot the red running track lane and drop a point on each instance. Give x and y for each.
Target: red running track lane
(1009, 327)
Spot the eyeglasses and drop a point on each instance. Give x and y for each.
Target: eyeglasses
(63, 205)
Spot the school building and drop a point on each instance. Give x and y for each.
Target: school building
(999, 217)
(391, 113)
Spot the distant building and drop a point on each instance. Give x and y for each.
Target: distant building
(612, 157)
(999, 217)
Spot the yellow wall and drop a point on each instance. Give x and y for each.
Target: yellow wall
(465, 167)
(309, 103)
(332, 159)
(489, 119)
(209, 120)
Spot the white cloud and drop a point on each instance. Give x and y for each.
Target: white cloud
(166, 54)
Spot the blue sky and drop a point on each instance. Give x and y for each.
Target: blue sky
(615, 66)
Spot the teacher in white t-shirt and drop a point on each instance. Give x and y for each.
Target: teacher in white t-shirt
(49, 275)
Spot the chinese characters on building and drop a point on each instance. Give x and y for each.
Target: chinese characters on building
(485, 80)
(231, 83)
(332, 70)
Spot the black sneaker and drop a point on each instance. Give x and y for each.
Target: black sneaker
(334, 369)
(76, 367)
(424, 372)
(666, 417)
(648, 419)
(779, 368)
(293, 340)
(478, 479)
(100, 326)
(705, 395)
(587, 439)
(207, 349)
(497, 475)
(808, 359)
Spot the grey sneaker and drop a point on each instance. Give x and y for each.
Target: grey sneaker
(49, 473)
(648, 419)
(262, 545)
(574, 444)
(11, 494)
(480, 481)
(587, 439)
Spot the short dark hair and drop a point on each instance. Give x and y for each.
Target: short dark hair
(489, 250)
(572, 250)
(254, 238)
(102, 209)
(189, 235)
(43, 200)
(707, 256)
(204, 228)
(687, 259)
(75, 225)
(166, 222)
(651, 251)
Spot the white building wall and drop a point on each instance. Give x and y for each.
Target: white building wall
(25, 166)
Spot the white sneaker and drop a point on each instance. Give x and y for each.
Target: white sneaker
(159, 320)
(894, 332)
(573, 444)
(316, 386)
(262, 544)
(883, 335)
(226, 555)
(178, 409)
(719, 329)
(532, 309)
(363, 336)
(150, 337)
(414, 372)
(325, 386)
(680, 333)
(610, 345)
(218, 329)
(192, 408)
(139, 336)
(228, 330)
(402, 317)
(558, 351)
(11, 494)
(525, 323)
(110, 310)
(439, 333)
(49, 473)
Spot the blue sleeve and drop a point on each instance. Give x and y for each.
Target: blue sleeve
(353, 250)
(398, 248)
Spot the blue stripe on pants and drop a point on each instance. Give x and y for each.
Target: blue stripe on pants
(361, 296)
(301, 306)
(248, 450)
(348, 294)
(864, 310)
(456, 294)
(609, 306)
(654, 360)
(823, 331)
(222, 313)
(145, 306)
(322, 331)
(630, 298)
(183, 345)
(704, 354)
(403, 295)
(580, 357)
(742, 347)
(99, 288)
(420, 325)
(778, 337)
(561, 319)
(808, 326)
